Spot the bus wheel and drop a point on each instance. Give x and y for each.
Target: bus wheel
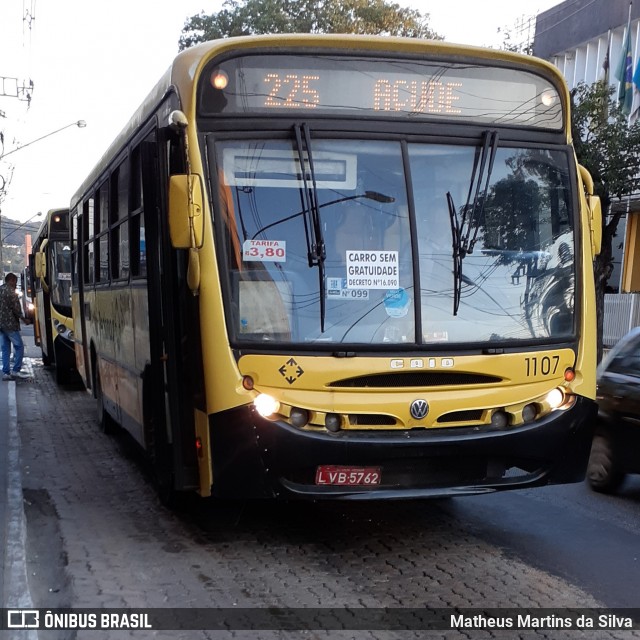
(603, 472)
(46, 360)
(167, 495)
(62, 374)
(105, 422)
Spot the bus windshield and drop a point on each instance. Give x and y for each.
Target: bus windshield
(60, 274)
(472, 251)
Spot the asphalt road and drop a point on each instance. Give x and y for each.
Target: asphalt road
(589, 539)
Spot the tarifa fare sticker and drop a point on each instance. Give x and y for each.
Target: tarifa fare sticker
(264, 251)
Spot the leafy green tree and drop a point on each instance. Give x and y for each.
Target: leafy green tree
(609, 148)
(248, 17)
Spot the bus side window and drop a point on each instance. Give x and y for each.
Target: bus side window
(120, 221)
(102, 243)
(137, 227)
(87, 241)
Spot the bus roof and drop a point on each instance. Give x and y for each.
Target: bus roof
(43, 231)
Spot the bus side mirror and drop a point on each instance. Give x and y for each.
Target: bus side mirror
(41, 265)
(595, 211)
(186, 211)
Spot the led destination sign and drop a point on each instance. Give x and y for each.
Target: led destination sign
(370, 87)
(299, 90)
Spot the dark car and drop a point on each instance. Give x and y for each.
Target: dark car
(616, 441)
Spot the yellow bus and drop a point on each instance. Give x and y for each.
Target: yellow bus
(51, 279)
(343, 267)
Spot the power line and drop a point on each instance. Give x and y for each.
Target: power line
(15, 223)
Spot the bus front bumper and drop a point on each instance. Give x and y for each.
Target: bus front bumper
(255, 457)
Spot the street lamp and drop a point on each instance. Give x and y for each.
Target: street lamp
(79, 123)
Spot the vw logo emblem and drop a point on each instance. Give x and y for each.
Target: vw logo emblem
(419, 409)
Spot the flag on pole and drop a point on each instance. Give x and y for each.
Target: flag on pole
(604, 76)
(624, 72)
(635, 107)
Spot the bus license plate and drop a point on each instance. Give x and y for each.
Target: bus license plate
(348, 476)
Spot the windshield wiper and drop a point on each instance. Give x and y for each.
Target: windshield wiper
(456, 253)
(488, 154)
(464, 233)
(316, 249)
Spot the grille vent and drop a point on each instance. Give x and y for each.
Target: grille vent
(357, 419)
(416, 379)
(461, 416)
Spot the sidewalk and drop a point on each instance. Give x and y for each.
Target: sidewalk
(4, 460)
(14, 586)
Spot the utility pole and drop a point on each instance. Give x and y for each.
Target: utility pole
(11, 88)
(21, 90)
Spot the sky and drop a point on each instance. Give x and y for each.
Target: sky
(96, 61)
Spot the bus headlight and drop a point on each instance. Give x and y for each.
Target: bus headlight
(333, 422)
(499, 419)
(555, 398)
(529, 412)
(60, 327)
(266, 405)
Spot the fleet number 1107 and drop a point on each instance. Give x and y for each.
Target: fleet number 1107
(547, 365)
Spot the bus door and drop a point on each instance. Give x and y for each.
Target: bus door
(31, 292)
(43, 307)
(79, 222)
(169, 423)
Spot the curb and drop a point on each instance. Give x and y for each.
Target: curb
(17, 593)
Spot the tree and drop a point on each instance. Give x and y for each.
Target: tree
(510, 44)
(609, 148)
(248, 17)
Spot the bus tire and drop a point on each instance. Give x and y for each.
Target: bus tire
(62, 374)
(603, 472)
(167, 494)
(105, 421)
(157, 453)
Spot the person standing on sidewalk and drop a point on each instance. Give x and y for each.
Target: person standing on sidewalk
(10, 315)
